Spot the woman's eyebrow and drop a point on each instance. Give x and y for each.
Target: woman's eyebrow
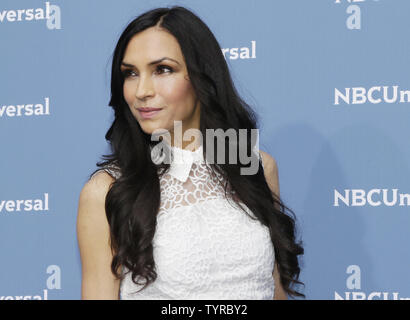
(126, 64)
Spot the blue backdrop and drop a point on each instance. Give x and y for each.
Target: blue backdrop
(329, 79)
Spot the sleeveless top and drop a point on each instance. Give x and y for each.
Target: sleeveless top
(205, 246)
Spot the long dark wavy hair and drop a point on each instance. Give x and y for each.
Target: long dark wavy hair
(133, 200)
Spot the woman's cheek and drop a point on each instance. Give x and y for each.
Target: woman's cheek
(174, 90)
(128, 95)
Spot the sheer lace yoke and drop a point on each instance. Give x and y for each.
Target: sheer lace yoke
(189, 180)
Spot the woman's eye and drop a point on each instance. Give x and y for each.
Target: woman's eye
(127, 72)
(162, 67)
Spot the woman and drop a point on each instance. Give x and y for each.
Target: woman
(149, 229)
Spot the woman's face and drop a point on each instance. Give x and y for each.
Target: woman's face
(164, 84)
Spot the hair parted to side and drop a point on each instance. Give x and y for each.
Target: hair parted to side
(133, 200)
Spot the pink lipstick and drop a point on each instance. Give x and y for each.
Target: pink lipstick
(147, 113)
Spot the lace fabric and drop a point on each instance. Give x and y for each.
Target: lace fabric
(205, 246)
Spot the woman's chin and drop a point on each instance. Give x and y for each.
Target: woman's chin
(153, 129)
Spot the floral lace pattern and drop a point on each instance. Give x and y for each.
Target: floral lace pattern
(205, 246)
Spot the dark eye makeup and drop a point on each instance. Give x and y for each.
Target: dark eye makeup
(127, 72)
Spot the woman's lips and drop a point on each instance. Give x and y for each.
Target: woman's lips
(148, 113)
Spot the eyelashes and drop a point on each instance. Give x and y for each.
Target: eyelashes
(130, 72)
(126, 72)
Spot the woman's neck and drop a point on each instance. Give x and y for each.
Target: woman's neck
(192, 145)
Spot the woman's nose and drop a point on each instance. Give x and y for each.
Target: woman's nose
(144, 87)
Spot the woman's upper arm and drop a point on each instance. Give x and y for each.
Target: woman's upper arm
(93, 234)
(271, 172)
(279, 293)
(272, 178)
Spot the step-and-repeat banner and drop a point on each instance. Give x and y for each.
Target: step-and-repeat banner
(328, 78)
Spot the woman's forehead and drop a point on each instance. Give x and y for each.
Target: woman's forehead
(152, 44)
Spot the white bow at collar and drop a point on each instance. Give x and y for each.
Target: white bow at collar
(181, 161)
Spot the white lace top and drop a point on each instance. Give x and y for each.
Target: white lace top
(204, 246)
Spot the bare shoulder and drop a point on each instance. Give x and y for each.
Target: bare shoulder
(97, 186)
(271, 171)
(269, 161)
(91, 217)
(91, 204)
(93, 234)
